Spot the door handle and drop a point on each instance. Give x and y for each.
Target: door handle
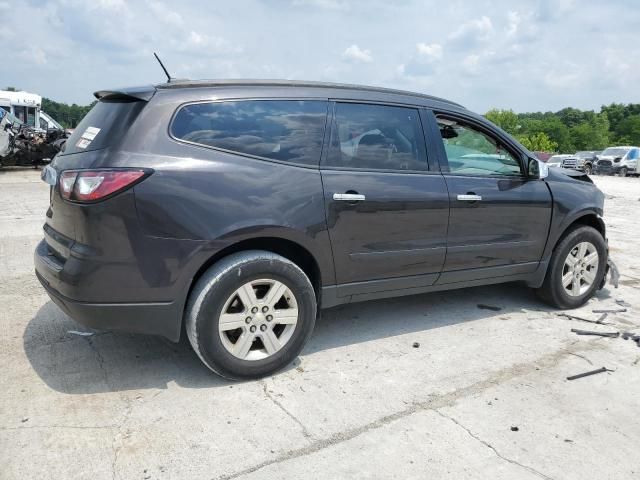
(470, 197)
(349, 197)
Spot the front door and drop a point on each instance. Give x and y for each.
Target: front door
(387, 212)
(500, 218)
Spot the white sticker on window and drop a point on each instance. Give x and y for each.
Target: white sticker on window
(83, 143)
(90, 133)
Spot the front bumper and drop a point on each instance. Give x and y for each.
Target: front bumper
(155, 318)
(607, 169)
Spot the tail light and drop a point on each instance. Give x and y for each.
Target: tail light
(86, 186)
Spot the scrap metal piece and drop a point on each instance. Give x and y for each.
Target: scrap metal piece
(614, 276)
(598, 334)
(600, 321)
(610, 310)
(592, 372)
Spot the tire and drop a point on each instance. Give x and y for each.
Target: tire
(218, 288)
(587, 169)
(623, 172)
(552, 290)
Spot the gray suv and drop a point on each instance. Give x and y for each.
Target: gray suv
(235, 210)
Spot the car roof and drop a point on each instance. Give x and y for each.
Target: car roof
(179, 84)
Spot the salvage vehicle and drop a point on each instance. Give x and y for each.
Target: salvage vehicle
(559, 160)
(582, 161)
(23, 145)
(618, 160)
(237, 209)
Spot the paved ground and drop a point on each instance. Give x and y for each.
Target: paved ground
(360, 402)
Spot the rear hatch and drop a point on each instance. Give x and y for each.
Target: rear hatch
(94, 141)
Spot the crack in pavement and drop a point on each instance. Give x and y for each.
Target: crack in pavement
(434, 402)
(45, 427)
(492, 448)
(305, 432)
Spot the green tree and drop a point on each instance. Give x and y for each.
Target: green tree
(538, 142)
(628, 130)
(505, 119)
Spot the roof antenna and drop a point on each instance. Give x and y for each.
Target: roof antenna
(163, 67)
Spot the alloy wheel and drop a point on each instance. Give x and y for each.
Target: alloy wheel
(258, 319)
(580, 269)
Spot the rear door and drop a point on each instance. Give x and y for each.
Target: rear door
(499, 218)
(387, 206)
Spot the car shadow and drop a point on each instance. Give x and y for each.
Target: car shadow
(72, 359)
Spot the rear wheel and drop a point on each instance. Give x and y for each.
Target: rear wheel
(250, 314)
(576, 268)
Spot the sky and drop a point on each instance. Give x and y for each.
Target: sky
(527, 55)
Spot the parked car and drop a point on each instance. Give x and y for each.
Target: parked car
(582, 161)
(239, 209)
(558, 160)
(618, 160)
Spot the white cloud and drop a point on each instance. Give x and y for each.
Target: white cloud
(514, 20)
(432, 51)
(327, 4)
(473, 30)
(520, 54)
(165, 14)
(356, 54)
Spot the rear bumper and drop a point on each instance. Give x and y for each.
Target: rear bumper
(155, 318)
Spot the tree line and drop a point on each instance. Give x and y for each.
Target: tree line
(67, 115)
(570, 129)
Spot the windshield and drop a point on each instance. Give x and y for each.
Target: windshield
(105, 123)
(614, 152)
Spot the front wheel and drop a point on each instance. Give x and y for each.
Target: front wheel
(623, 172)
(250, 314)
(588, 170)
(576, 268)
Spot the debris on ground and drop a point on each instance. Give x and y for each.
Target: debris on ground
(610, 310)
(514, 429)
(622, 303)
(592, 372)
(493, 308)
(599, 321)
(577, 331)
(631, 336)
(416, 345)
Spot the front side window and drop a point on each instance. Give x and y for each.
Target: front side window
(285, 130)
(470, 151)
(377, 137)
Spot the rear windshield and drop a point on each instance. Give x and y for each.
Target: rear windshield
(107, 122)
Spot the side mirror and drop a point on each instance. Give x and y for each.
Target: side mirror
(537, 169)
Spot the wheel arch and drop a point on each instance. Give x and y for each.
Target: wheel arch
(287, 248)
(587, 218)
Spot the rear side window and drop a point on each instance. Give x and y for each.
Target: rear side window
(377, 137)
(106, 123)
(285, 130)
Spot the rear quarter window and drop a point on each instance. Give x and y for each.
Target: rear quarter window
(285, 130)
(106, 123)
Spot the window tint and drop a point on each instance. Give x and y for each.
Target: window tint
(472, 152)
(377, 137)
(106, 123)
(286, 130)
